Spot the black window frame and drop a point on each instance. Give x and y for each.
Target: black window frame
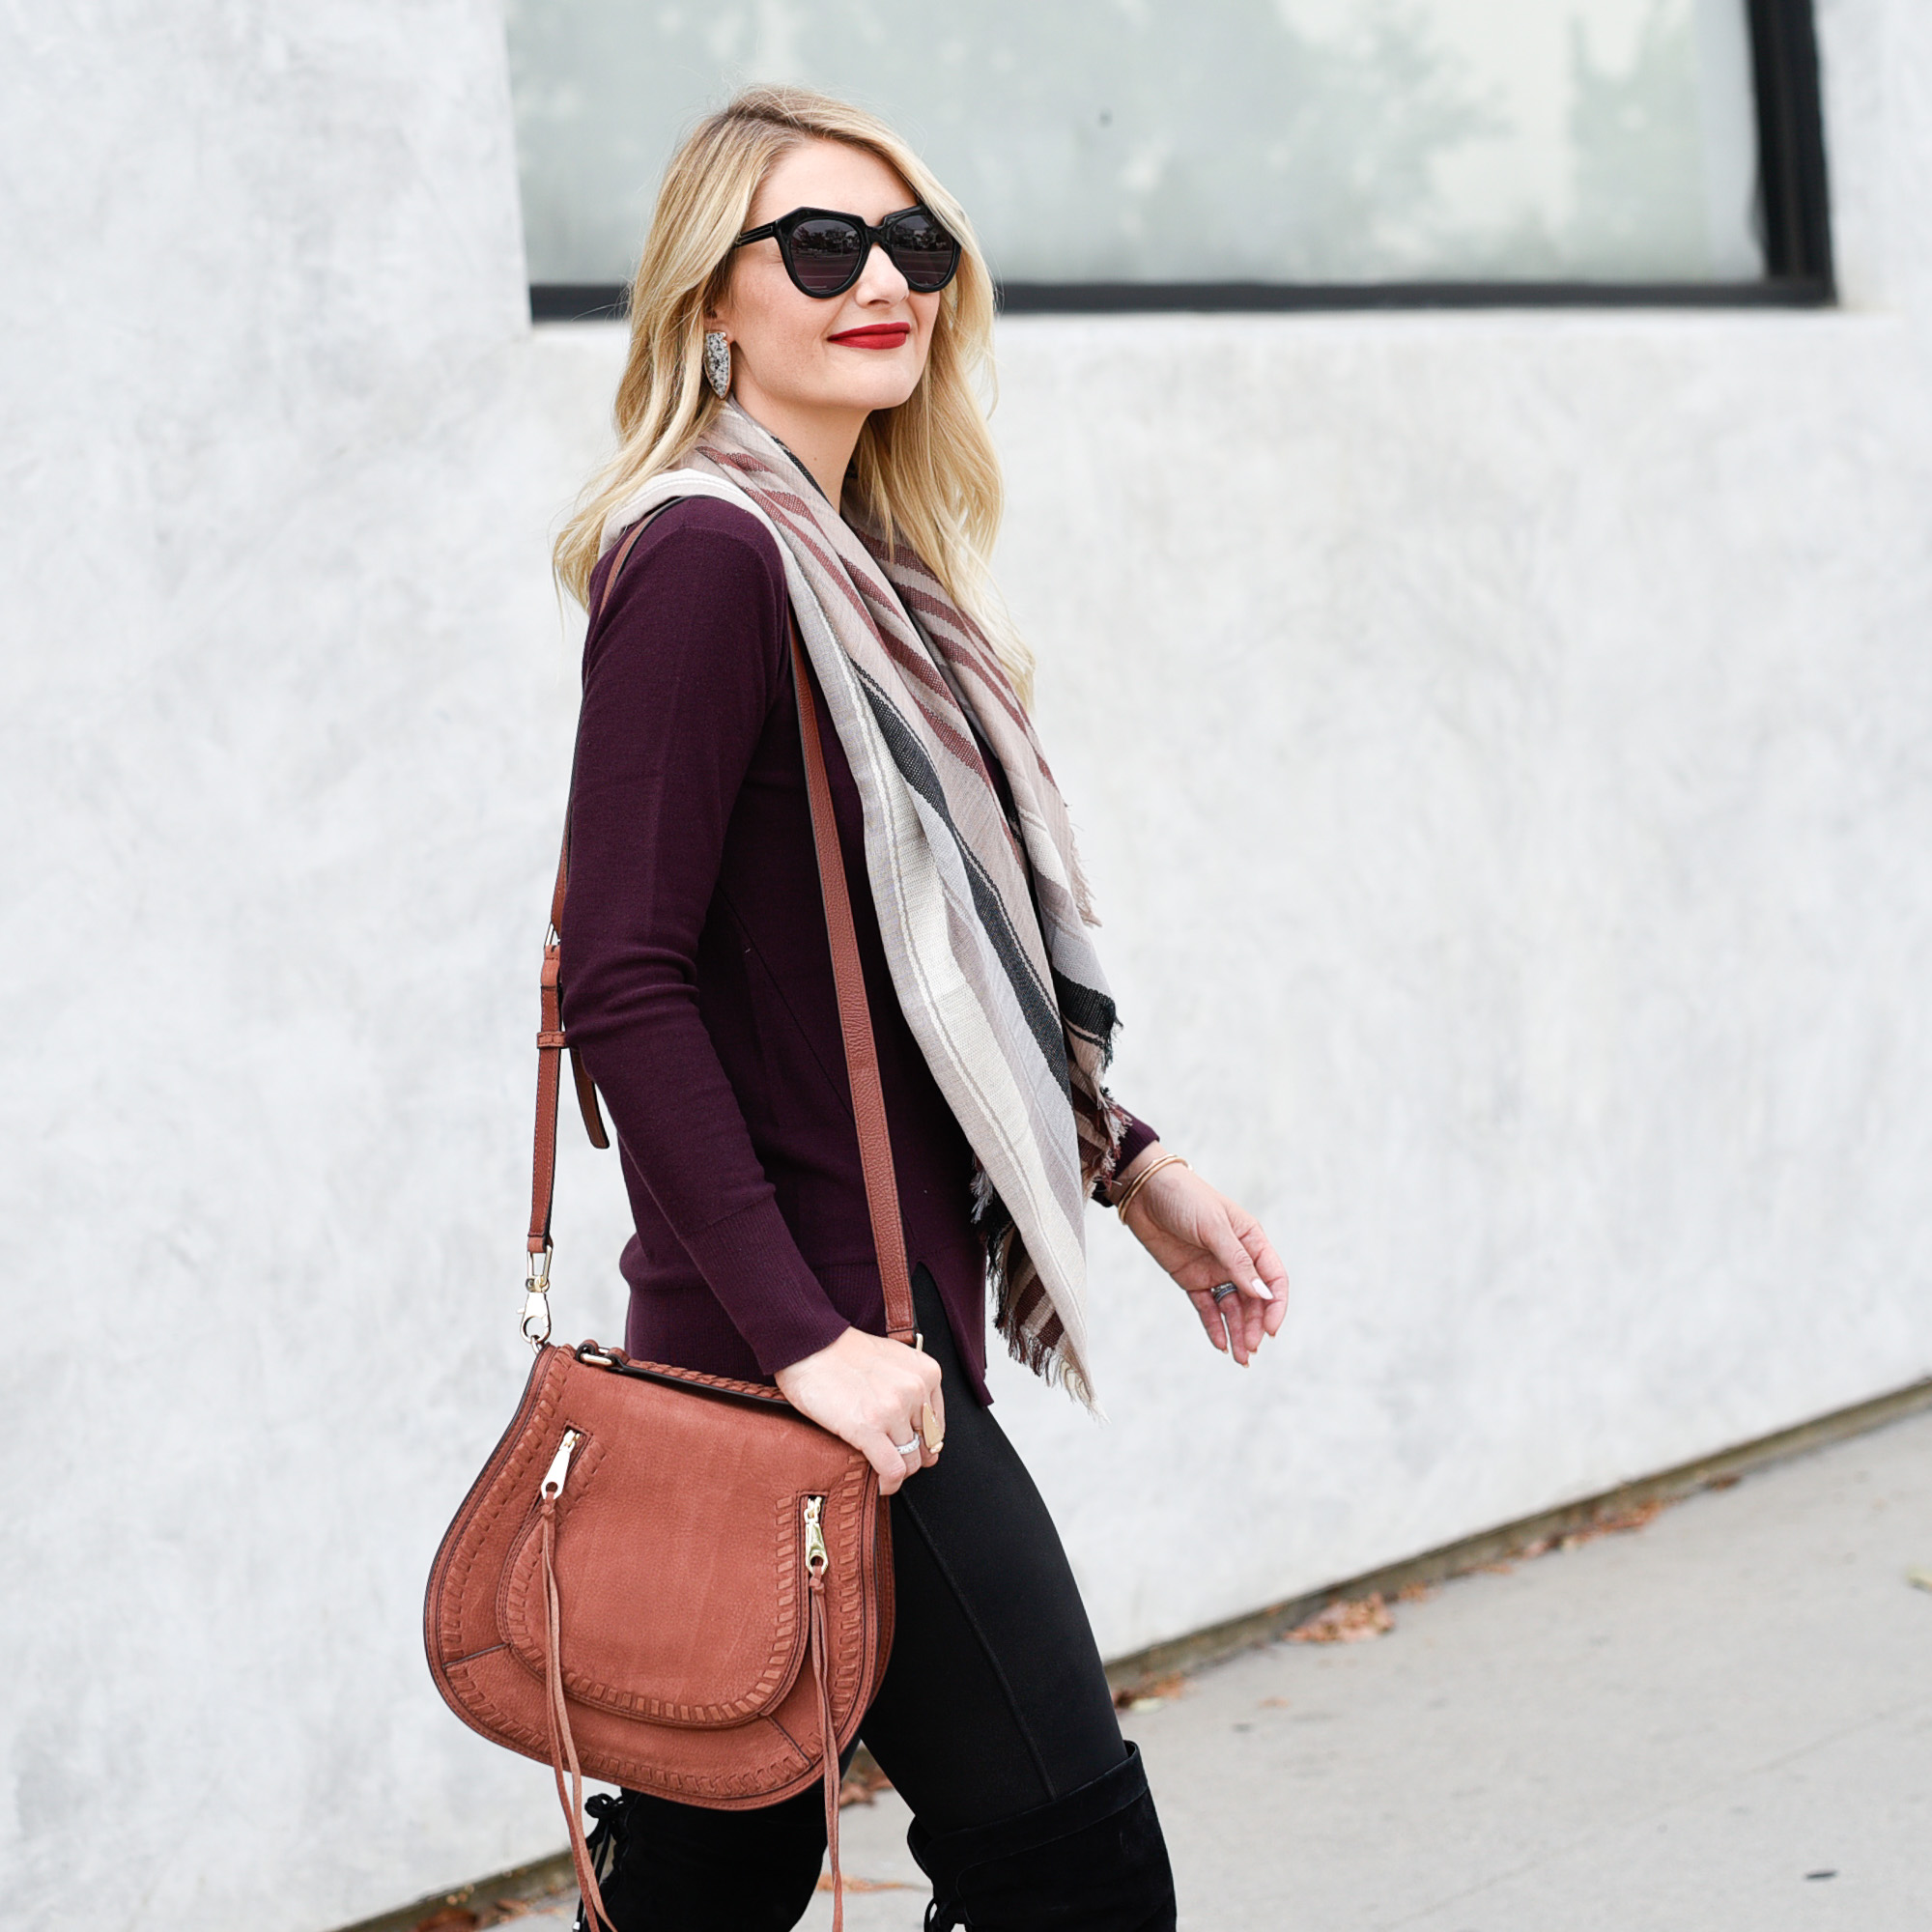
(1794, 209)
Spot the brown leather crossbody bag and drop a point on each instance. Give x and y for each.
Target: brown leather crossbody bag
(672, 1580)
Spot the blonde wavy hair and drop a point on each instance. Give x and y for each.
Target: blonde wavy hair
(925, 473)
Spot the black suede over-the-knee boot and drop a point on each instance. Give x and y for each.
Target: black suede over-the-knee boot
(665, 1867)
(1091, 1861)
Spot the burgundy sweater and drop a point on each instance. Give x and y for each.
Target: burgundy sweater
(698, 978)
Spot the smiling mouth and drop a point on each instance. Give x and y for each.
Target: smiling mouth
(877, 335)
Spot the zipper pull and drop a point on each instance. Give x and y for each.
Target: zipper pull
(816, 1558)
(552, 1483)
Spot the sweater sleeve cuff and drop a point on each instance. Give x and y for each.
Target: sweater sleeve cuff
(774, 1299)
(1134, 1143)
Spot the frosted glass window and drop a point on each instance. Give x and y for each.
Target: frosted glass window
(1196, 140)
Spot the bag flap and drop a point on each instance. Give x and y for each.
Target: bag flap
(679, 1572)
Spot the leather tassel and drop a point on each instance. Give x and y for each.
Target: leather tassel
(562, 1746)
(830, 1739)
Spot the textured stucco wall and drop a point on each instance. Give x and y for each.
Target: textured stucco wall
(1499, 747)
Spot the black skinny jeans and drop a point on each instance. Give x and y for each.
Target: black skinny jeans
(994, 1703)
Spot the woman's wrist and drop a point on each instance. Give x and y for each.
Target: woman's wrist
(1123, 1178)
(811, 1355)
(1153, 1160)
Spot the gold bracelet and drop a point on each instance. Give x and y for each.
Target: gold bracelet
(1140, 1180)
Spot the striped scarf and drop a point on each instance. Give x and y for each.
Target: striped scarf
(999, 984)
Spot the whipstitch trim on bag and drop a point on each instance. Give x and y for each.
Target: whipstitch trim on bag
(757, 1780)
(506, 1492)
(523, 1588)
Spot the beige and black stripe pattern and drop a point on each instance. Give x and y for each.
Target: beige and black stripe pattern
(985, 922)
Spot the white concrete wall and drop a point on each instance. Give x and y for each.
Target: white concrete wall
(1500, 746)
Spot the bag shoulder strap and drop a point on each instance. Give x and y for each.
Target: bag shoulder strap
(855, 1018)
(550, 1046)
(854, 1023)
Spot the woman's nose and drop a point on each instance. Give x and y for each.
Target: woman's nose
(880, 280)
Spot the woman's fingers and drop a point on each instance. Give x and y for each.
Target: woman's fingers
(1238, 1265)
(1265, 1284)
(1211, 1317)
(1204, 1239)
(935, 1391)
(893, 1467)
(1236, 1324)
(897, 1452)
(1232, 1257)
(931, 1409)
(1254, 1314)
(1259, 1250)
(1242, 1343)
(888, 1454)
(1267, 1267)
(1229, 1310)
(911, 1439)
(1269, 1315)
(1247, 1310)
(871, 1393)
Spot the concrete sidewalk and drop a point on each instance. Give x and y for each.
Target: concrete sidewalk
(1721, 1722)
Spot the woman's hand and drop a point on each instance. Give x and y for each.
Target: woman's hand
(1202, 1240)
(870, 1391)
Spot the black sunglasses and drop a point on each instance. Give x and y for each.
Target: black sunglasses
(825, 252)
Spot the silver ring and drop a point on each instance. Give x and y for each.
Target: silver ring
(908, 1448)
(1222, 1292)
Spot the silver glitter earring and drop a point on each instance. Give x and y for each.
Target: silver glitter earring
(718, 361)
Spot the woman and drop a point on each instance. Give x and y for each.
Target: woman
(799, 427)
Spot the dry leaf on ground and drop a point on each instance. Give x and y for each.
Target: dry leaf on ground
(1919, 1580)
(1613, 1522)
(507, 1909)
(1149, 1696)
(1351, 1620)
(862, 1783)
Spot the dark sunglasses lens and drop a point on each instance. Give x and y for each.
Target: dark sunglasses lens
(922, 250)
(824, 254)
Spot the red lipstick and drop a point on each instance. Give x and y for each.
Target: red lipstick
(874, 335)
